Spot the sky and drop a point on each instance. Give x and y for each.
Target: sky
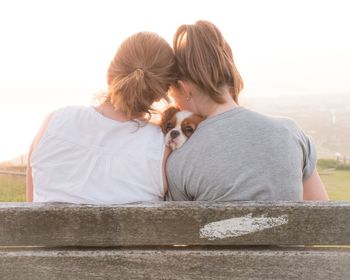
(56, 53)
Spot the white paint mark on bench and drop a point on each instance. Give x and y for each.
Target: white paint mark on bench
(240, 226)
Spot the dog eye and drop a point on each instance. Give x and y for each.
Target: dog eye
(189, 129)
(168, 126)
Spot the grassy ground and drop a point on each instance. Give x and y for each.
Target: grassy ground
(337, 182)
(336, 177)
(12, 188)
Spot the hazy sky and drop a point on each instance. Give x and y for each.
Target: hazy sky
(56, 53)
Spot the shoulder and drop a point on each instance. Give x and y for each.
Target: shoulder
(67, 111)
(272, 122)
(269, 120)
(53, 119)
(289, 125)
(149, 130)
(243, 120)
(239, 118)
(287, 129)
(156, 133)
(71, 110)
(153, 128)
(67, 114)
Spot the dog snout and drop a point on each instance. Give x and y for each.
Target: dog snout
(174, 134)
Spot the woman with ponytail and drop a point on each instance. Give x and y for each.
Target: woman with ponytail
(235, 153)
(110, 153)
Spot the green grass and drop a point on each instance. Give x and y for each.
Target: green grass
(336, 177)
(337, 184)
(12, 188)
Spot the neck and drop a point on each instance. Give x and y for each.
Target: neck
(107, 110)
(210, 108)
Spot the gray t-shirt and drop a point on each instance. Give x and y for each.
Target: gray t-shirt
(242, 155)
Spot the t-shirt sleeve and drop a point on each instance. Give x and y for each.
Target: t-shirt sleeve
(310, 158)
(176, 190)
(309, 154)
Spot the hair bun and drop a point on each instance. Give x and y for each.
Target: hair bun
(139, 73)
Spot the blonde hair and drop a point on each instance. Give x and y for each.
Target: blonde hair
(140, 74)
(205, 58)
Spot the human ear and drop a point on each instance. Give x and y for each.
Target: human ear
(185, 88)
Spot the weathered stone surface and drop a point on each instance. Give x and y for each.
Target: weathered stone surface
(167, 263)
(169, 223)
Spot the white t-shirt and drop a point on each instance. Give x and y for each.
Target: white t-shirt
(84, 157)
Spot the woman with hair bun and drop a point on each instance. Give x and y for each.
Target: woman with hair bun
(110, 153)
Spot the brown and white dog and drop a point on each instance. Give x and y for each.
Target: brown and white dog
(178, 126)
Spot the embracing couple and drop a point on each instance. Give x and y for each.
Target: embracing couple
(113, 153)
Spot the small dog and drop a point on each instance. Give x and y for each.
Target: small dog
(178, 126)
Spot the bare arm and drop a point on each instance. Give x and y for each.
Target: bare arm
(29, 178)
(314, 188)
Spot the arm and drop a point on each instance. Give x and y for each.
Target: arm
(29, 178)
(167, 152)
(314, 188)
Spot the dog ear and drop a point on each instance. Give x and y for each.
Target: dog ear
(198, 118)
(167, 115)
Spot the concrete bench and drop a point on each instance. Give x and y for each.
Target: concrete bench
(175, 240)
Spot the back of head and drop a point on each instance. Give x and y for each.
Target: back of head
(205, 58)
(140, 74)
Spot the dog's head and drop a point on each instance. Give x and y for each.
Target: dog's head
(178, 126)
